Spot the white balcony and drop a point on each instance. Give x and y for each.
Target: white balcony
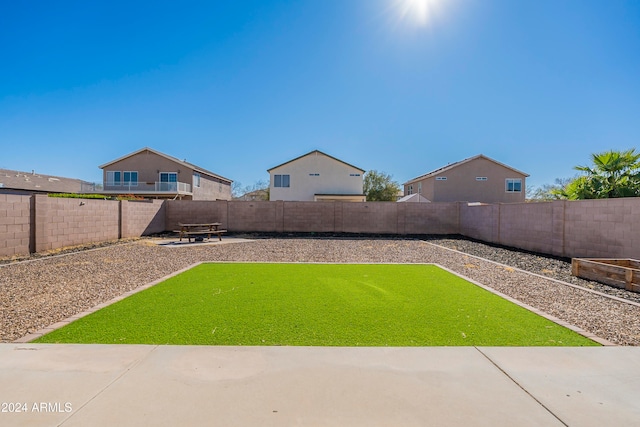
(154, 188)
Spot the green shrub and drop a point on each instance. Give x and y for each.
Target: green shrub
(77, 196)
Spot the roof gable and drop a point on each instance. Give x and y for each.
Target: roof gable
(316, 152)
(460, 163)
(414, 198)
(171, 158)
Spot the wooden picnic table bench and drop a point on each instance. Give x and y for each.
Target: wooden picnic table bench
(200, 229)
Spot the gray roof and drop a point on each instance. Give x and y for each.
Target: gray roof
(36, 182)
(414, 198)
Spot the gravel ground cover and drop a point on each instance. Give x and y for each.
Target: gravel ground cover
(37, 293)
(535, 263)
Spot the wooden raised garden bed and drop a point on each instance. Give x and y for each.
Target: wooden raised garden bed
(621, 273)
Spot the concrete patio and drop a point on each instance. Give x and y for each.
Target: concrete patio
(127, 385)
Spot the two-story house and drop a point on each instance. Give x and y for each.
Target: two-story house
(152, 174)
(476, 179)
(316, 176)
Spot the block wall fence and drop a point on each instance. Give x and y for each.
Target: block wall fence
(588, 228)
(39, 223)
(318, 217)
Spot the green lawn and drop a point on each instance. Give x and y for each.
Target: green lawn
(316, 305)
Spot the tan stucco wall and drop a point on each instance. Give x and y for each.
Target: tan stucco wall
(149, 165)
(461, 184)
(334, 178)
(211, 189)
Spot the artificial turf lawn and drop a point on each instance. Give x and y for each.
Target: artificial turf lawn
(316, 305)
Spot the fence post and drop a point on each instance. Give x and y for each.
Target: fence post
(121, 213)
(32, 224)
(41, 213)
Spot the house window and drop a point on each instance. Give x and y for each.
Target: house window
(168, 181)
(281, 180)
(419, 188)
(513, 185)
(131, 178)
(314, 174)
(354, 174)
(114, 178)
(481, 178)
(196, 180)
(410, 190)
(441, 178)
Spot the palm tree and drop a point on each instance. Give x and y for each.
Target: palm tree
(613, 174)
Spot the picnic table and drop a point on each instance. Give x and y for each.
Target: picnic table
(200, 229)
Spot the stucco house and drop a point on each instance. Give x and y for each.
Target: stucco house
(476, 179)
(316, 176)
(152, 174)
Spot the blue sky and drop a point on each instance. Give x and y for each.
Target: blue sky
(238, 87)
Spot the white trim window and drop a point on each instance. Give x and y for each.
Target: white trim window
(196, 180)
(420, 188)
(513, 185)
(114, 178)
(410, 190)
(281, 181)
(131, 178)
(441, 178)
(168, 181)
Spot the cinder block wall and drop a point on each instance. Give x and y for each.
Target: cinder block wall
(15, 224)
(255, 216)
(302, 217)
(589, 228)
(527, 226)
(370, 217)
(318, 217)
(429, 218)
(63, 222)
(140, 218)
(607, 228)
(194, 211)
(481, 222)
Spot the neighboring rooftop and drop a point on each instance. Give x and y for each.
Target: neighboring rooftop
(12, 181)
(414, 198)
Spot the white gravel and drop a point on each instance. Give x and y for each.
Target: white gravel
(39, 292)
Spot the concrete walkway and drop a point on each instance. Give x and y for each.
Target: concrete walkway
(136, 385)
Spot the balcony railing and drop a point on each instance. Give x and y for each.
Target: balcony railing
(143, 187)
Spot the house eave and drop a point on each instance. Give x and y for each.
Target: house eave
(318, 152)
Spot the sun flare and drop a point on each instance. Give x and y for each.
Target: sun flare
(418, 11)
